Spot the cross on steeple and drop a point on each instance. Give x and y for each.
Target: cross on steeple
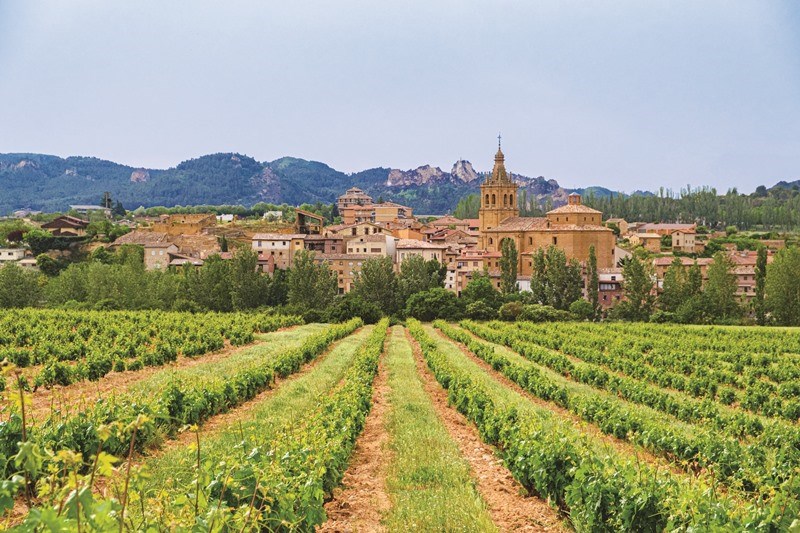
(498, 141)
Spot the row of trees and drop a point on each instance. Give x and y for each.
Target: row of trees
(685, 297)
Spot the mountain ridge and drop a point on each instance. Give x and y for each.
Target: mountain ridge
(47, 182)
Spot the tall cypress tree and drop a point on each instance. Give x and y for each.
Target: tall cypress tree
(593, 281)
(508, 266)
(761, 285)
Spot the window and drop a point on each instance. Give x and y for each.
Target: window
(487, 199)
(505, 199)
(493, 199)
(259, 244)
(491, 241)
(512, 200)
(555, 240)
(530, 240)
(613, 278)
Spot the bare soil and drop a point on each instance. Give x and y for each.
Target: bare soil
(509, 505)
(362, 500)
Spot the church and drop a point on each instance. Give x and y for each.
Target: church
(573, 228)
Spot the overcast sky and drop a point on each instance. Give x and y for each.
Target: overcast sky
(624, 94)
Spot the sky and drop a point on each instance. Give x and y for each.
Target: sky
(623, 94)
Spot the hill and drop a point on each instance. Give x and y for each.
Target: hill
(51, 183)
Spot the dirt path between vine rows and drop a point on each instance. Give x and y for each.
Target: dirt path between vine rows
(622, 447)
(362, 500)
(509, 507)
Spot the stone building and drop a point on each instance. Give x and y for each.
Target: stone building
(184, 224)
(353, 197)
(573, 228)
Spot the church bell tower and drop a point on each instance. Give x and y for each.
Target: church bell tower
(498, 195)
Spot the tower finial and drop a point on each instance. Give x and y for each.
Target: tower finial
(499, 137)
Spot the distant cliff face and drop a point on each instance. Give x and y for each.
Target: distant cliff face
(52, 183)
(463, 171)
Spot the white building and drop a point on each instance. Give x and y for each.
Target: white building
(11, 255)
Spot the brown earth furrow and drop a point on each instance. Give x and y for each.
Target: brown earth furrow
(362, 500)
(509, 506)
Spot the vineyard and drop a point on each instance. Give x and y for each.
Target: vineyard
(152, 421)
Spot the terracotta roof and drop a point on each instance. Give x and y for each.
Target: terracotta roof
(414, 243)
(375, 237)
(660, 226)
(474, 222)
(521, 224)
(449, 220)
(277, 236)
(573, 208)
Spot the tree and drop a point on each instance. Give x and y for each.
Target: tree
(508, 266)
(223, 244)
(48, 266)
(248, 289)
(674, 291)
(783, 287)
(18, 287)
(312, 286)
(210, 285)
(637, 287)
(468, 207)
(720, 290)
(119, 210)
(582, 309)
(563, 279)
(376, 284)
(593, 282)
(435, 303)
(761, 284)
(350, 306)
(480, 289)
(417, 275)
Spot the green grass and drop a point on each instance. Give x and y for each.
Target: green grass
(290, 401)
(428, 482)
(271, 344)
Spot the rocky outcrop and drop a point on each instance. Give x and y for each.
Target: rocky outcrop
(267, 185)
(419, 176)
(463, 171)
(140, 176)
